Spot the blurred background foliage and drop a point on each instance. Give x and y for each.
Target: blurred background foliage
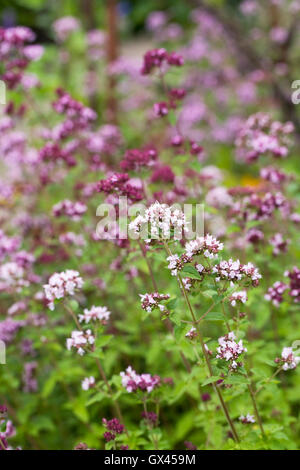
(40, 14)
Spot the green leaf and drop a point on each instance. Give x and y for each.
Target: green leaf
(210, 380)
(96, 398)
(214, 316)
(237, 379)
(191, 272)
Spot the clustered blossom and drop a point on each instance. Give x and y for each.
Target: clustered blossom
(150, 417)
(15, 55)
(78, 116)
(113, 427)
(64, 26)
(219, 197)
(188, 283)
(144, 382)
(279, 244)
(161, 109)
(294, 276)
(100, 314)
(118, 183)
(88, 382)
(158, 57)
(9, 328)
(240, 296)
(192, 333)
(234, 271)
(275, 293)
(12, 276)
(254, 236)
(74, 210)
(209, 246)
(8, 245)
(80, 340)
(163, 174)
(135, 159)
(176, 263)
(288, 360)
(273, 175)
(253, 207)
(230, 350)
(29, 379)
(7, 428)
(163, 220)
(260, 135)
(71, 238)
(247, 419)
(149, 302)
(62, 284)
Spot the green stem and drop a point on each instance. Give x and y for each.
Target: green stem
(258, 417)
(217, 390)
(100, 369)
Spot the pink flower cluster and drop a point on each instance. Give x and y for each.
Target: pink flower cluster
(135, 159)
(144, 382)
(100, 314)
(74, 210)
(8, 245)
(118, 183)
(62, 284)
(12, 277)
(260, 135)
(64, 26)
(149, 302)
(273, 175)
(294, 276)
(248, 419)
(9, 328)
(240, 296)
(275, 293)
(157, 57)
(78, 116)
(7, 428)
(192, 333)
(208, 246)
(234, 271)
(176, 263)
(16, 56)
(163, 220)
(88, 382)
(288, 360)
(113, 427)
(230, 350)
(80, 340)
(279, 244)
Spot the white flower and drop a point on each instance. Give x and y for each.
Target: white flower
(240, 296)
(88, 383)
(209, 246)
(160, 220)
(192, 333)
(80, 340)
(61, 284)
(95, 313)
(229, 349)
(247, 419)
(290, 361)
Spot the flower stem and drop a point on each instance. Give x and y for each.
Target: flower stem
(100, 369)
(258, 417)
(217, 390)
